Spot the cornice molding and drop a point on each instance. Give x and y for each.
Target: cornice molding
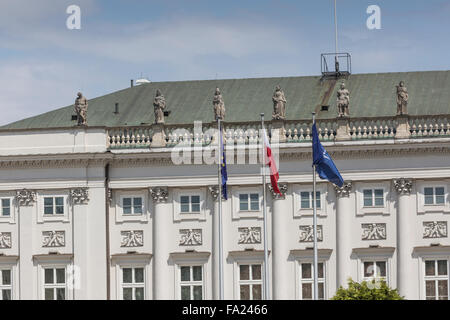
(287, 152)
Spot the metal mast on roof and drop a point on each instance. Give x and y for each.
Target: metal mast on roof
(336, 62)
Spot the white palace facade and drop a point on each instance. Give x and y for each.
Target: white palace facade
(107, 211)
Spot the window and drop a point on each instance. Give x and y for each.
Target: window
(307, 281)
(191, 282)
(54, 283)
(434, 195)
(6, 207)
(6, 284)
(374, 270)
(436, 279)
(306, 200)
(190, 204)
(249, 202)
(132, 205)
(373, 197)
(250, 281)
(133, 286)
(53, 205)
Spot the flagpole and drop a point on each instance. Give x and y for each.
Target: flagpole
(266, 255)
(221, 297)
(316, 285)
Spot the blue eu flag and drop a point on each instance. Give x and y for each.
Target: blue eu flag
(223, 168)
(324, 165)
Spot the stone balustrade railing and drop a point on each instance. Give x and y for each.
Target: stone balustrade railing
(130, 137)
(429, 126)
(292, 131)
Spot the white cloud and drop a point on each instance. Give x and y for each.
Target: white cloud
(31, 88)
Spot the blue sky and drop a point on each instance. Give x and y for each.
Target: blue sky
(43, 64)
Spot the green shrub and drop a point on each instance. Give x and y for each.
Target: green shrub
(373, 290)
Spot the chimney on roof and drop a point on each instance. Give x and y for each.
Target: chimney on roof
(132, 83)
(116, 108)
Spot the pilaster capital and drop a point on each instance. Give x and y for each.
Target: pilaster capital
(403, 185)
(214, 190)
(159, 194)
(345, 190)
(25, 197)
(79, 195)
(283, 188)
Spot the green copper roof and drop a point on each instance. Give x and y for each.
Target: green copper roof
(371, 95)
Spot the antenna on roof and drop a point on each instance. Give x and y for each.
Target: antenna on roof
(336, 62)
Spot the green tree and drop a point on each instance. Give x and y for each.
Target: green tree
(373, 290)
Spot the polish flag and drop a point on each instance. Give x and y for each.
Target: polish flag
(274, 176)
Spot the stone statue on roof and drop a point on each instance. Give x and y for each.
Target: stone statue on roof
(159, 103)
(402, 99)
(279, 104)
(343, 101)
(219, 105)
(81, 106)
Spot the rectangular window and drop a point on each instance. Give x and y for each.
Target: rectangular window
(54, 283)
(306, 200)
(190, 204)
(249, 202)
(6, 207)
(434, 195)
(373, 198)
(53, 205)
(191, 282)
(5, 284)
(132, 205)
(133, 286)
(307, 281)
(250, 281)
(436, 279)
(374, 270)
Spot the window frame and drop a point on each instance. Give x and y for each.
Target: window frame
(436, 277)
(296, 195)
(54, 285)
(12, 208)
(2, 214)
(121, 217)
(423, 208)
(311, 200)
(191, 283)
(54, 206)
(42, 217)
(373, 197)
(11, 262)
(245, 257)
(190, 203)
(375, 254)
(433, 188)
(237, 213)
(301, 281)
(250, 282)
(249, 202)
(128, 260)
(9, 286)
(183, 216)
(373, 262)
(132, 206)
(133, 285)
(191, 259)
(388, 204)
